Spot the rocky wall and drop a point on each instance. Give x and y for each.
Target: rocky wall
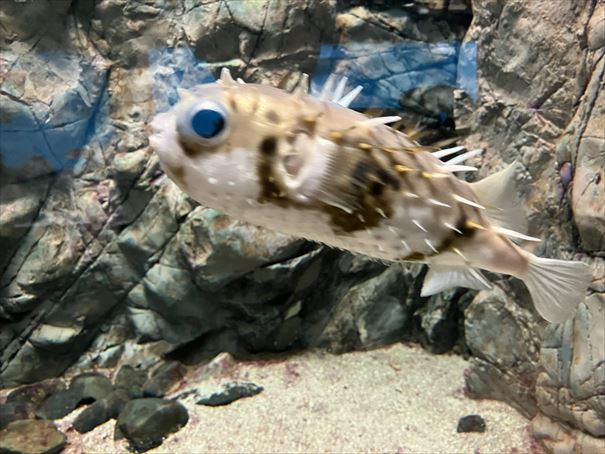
(103, 260)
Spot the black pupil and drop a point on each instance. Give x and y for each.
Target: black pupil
(208, 123)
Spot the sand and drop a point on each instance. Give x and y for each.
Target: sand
(398, 399)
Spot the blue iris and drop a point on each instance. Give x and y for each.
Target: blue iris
(208, 123)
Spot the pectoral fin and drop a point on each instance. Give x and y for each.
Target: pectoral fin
(440, 278)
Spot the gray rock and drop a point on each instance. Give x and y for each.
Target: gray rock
(32, 436)
(130, 380)
(83, 389)
(502, 338)
(91, 386)
(60, 404)
(101, 411)
(146, 422)
(588, 189)
(163, 378)
(230, 393)
(542, 109)
(571, 386)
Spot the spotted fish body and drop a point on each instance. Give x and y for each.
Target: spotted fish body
(311, 167)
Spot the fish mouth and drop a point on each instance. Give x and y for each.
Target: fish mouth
(158, 124)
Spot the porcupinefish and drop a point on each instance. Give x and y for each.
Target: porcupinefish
(313, 168)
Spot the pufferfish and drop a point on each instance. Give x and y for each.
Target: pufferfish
(313, 168)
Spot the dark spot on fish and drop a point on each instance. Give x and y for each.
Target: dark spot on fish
(268, 146)
(376, 188)
(177, 171)
(389, 179)
(233, 103)
(361, 171)
(272, 116)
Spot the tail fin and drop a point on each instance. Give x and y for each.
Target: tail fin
(556, 286)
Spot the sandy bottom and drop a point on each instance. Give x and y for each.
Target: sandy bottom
(398, 399)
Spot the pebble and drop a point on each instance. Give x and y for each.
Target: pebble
(471, 423)
(230, 393)
(147, 421)
(32, 436)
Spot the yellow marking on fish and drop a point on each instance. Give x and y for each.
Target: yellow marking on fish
(434, 175)
(336, 136)
(401, 168)
(474, 225)
(364, 146)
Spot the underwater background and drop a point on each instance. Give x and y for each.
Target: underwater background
(104, 263)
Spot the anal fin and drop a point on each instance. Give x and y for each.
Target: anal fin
(440, 278)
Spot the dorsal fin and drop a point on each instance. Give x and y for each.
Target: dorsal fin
(499, 196)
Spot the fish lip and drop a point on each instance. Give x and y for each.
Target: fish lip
(158, 123)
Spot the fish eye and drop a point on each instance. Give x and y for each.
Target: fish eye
(208, 123)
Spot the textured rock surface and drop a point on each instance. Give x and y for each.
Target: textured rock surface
(541, 86)
(102, 262)
(32, 436)
(145, 422)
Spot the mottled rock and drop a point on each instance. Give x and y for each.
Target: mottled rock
(571, 385)
(230, 393)
(13, 411)
(101, 411)
(163, 378)
(502, 338)
(146, 422)
(471, 423)
(588, 190)
(32, 436)
(557, 437)
(36, 393)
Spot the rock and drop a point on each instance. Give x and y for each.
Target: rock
(163, 378)
(146, 422)
(588, 189)
(92, 386)
(505, 359)
(83, 389)
(471, 423)
(36, 393)
(368, 314)
(13, 411)
(130, 380)
(557, 437)
(571, 386)
(60, 404)
(230, 393)
(32, 436)
(101, 411)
